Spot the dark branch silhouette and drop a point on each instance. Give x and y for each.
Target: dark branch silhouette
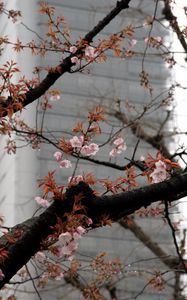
(116, 206)
(65, 66)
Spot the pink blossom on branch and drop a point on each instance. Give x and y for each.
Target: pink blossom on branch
(90, 53)
(79, 231)
(65, 164)
(75, 60)
(54, 97)
(68, 242)
(120, 146)
(42, 202)
(77, 141)
(91, 149)
(58, 156)
(73, 49)
(76, 179)
(159, 174)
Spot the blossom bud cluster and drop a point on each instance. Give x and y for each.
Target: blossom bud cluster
(120, 146)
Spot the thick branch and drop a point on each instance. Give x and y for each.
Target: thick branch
(66, 65)
(167, 12)
(115, 206)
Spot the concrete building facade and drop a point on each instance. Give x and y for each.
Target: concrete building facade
(107, 84)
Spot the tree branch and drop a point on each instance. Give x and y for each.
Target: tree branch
(114, 206)
(167, 12)
(65, 66)
(169, 261)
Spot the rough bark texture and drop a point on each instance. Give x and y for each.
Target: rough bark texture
(115, 206)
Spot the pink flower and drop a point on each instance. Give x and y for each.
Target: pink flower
(90, 53)
(78, 232)
(54, 97)
(76, 142)
(76, 179)
(159, 174)
(1, 275)
(89, 221)
(65, 164)
(70, 248)
(94, 148)
(120, 146)
(91, 149)
(114, 152)
(58, 156)
(73, 49)
(42, 202)
(75, 60)
(119, 142)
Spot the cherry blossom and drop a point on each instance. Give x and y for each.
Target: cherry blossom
(76, 142)
(42, 202)
(68, 245)
(79, 232)
(68, 242)
(120, 146)
(159, 174)
(69, 249)
(91, 149)
(54, 97)
(73, 49)
(89, 221)
(65, 164)
(119, 142)
(114, 152)
(75, 179)
(90, 53)
(58, 156)
(75, 60)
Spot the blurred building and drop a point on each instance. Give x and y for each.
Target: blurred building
(108, 83)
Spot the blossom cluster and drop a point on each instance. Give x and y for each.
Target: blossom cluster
(76, 143)
(120, 146)
(160, 173)
(90, 54)
(42, 202)
(68, 242)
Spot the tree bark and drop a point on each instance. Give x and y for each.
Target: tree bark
(36, 229)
